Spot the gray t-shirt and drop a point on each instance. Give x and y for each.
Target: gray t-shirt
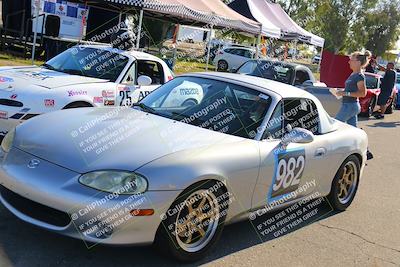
(351, 86)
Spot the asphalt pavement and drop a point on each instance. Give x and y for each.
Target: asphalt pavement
(367, 234)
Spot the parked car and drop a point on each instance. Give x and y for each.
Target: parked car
(174, 176)
(290, 73)
(302, 77)
(368, 103)
(232, 57)
(316, 59)
(82, 76)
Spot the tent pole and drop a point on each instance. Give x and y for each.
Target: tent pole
(36, 28)
(255, 42)
(139, 29)
(258, 46)
(320, 59)
(209, 47)
(175, 45)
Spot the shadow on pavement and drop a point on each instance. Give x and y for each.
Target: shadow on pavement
(383, 124)
(24, 245)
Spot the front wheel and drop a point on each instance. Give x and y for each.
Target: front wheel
(345, 184)
(194, 222)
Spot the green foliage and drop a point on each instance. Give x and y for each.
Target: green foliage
(349, 25)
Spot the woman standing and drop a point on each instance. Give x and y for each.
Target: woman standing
(355, 88)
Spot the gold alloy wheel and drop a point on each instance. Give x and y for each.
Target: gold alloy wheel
(348, 182)
(197, 221)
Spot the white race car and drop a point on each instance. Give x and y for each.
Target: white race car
(82, 76)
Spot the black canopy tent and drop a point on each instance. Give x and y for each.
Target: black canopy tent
(202, 13)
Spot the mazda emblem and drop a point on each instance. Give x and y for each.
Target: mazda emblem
(33, 163)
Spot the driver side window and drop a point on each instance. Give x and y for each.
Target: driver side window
(301, 77)
(130, 77)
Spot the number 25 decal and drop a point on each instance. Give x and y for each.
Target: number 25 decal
(126, 99)
(288, 172)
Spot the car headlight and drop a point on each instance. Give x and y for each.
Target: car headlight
(8, 140)
(119, 182)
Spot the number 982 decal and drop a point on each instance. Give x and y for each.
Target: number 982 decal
(289, 168)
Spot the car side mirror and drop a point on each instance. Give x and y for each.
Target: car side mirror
(144, 80)
(299, 136)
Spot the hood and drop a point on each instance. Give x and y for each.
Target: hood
(42, 77)
(89, 139)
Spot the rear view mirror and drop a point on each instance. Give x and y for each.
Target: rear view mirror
(144, 80)
(299, 136)
(233, 70)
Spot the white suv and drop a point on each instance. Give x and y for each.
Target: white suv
(232, 57)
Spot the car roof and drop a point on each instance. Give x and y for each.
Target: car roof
(373, 74)
(263, 85)
(290, 64)
(239, 47)
(132, 53)
(270, 87)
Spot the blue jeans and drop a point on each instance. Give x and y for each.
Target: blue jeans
(348, 113)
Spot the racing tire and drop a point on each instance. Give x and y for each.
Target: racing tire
(345, 184)
(392, 105)
(222, 65)
(178, 236)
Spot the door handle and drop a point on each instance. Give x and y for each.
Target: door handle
(320, 152)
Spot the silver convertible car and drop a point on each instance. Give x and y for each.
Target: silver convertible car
(173, 172)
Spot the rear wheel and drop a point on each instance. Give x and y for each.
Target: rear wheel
(222, 65)
(194, 223)
(345, 184)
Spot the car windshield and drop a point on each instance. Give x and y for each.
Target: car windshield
(371, 82)
(398, 78)
(211, 104)
(268, 70)
(89, 62)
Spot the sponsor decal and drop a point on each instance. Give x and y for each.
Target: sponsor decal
(189, 91)
(108, 102)
(123, 88)
(3, 114)
(14, 96)
(108, 93)
(6, 80)
(49, 103)
(36, 75)
(98, 99)
(75, 93)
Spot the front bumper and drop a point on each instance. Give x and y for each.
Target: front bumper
(50, 196)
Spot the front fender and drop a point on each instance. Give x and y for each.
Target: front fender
(238, 170)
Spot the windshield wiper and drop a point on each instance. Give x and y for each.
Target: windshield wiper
(47, 66)
(145, 108)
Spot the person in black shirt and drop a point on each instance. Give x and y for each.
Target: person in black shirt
(387, 85)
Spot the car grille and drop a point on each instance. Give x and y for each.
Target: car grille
(10, 103)
(35, 210)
